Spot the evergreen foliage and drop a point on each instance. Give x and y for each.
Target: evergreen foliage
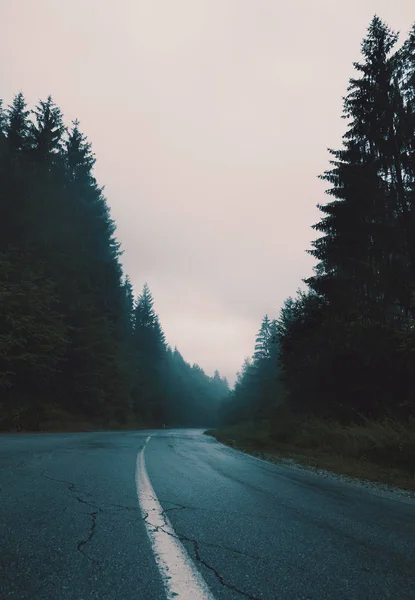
(73, 340)
(345, 346)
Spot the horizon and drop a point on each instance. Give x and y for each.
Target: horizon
(208, 152)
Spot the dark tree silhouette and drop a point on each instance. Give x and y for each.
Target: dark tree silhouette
(74, 344)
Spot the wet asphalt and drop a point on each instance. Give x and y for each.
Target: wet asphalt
(71, 527)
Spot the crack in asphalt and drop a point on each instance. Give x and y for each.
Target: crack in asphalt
(106, 506)
(71, 486)
(211, 545)
(82, 543)
(93, 515)
(199, 559)
(295, 567)
(196, 546)
(181, 537)
(219, 577)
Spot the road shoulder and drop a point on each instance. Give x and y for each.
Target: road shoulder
(381, 480)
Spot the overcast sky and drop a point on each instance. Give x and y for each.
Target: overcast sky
(210, 121)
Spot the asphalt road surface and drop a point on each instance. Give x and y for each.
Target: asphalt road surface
(174, 514)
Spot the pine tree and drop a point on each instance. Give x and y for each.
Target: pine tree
(47, 130)
(79, 157)
(359, 233)
(220, 386)
(18, 124)
(3, 122)
(48, 195)
(263, 340)
(16, 186)
(92, 288)
(144, 311)
(128, 304)
(4, 171)
(149, 355)
(404, 159)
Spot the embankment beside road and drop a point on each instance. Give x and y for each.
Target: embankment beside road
(377, 451)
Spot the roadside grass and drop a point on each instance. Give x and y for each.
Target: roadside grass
(53, 419)
(377, 451)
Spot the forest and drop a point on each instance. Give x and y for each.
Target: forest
(335, 369)
(77, 349)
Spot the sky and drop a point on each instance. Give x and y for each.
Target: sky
(210, 121)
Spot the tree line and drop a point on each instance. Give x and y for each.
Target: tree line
(73, 339)
(344, 348)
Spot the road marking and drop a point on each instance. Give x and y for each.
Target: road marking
(181, 579)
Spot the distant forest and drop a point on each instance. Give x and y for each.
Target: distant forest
(75, 342)
(75, 345)
(344, 348)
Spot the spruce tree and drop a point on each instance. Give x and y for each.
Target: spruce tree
(263, 340)
(16, 187)
(3, 123)
(47, 129)
(92, 288)
(18, 124)
(358, 226)
(149, 354)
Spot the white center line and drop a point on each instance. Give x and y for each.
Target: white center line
(181, 579)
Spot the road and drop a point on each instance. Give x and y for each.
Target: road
(95, 516)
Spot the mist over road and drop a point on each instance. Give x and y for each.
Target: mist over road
(149, 514)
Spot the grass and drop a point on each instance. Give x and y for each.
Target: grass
(53, 419)
(378, 451)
